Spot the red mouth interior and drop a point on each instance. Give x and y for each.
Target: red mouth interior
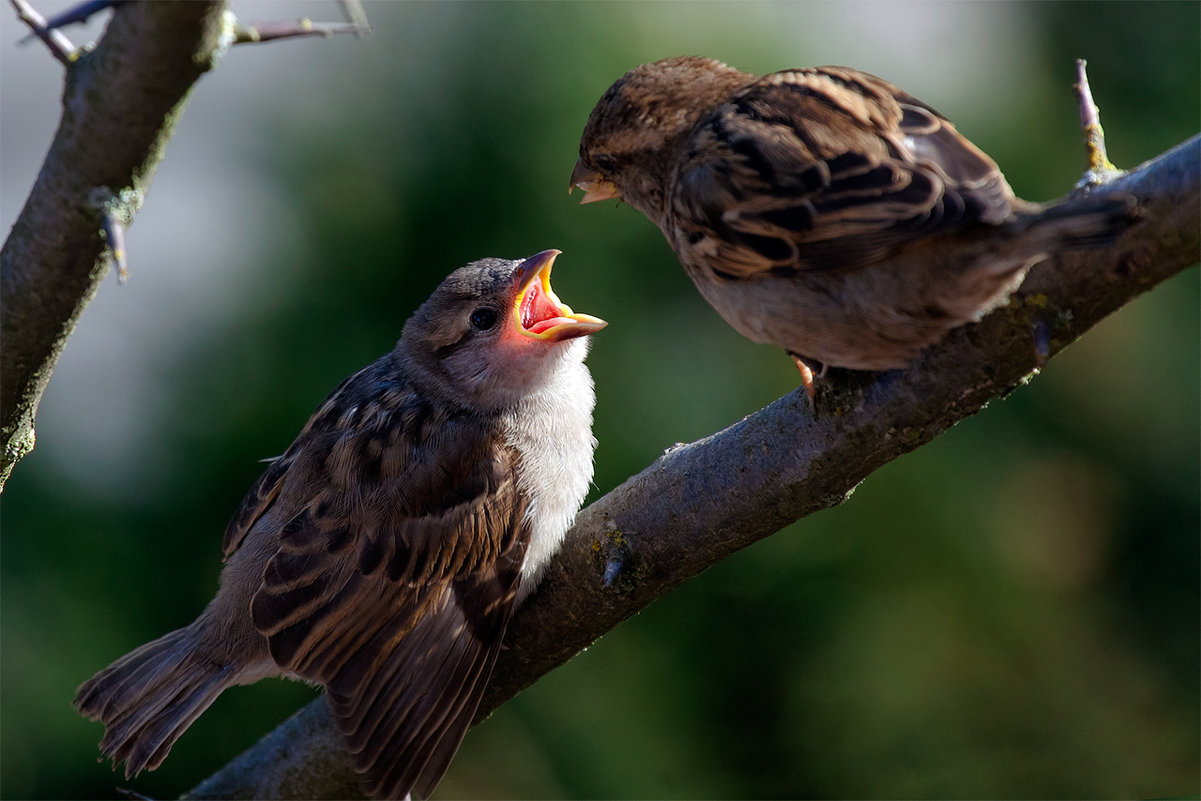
(538, 311)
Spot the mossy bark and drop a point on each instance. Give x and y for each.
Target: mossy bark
(121, 102)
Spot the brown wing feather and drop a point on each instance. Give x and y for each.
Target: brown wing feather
(399, 553)
(258, 499)
(831, 166)
(263, 493)
(404, 721)
(328, 566)
(404, 663)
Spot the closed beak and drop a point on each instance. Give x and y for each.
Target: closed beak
(596, 186)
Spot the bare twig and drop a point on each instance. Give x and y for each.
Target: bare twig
(355, 13)
(79, 13)
(269, 31)
(54, 39)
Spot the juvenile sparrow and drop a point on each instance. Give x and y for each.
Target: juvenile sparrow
(382, 555)
(823, 210)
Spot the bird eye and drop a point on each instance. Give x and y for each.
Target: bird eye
(483, 319)
(604, 162)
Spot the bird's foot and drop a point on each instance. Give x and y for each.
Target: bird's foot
(808, 376)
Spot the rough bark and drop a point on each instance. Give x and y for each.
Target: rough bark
(699, 503)
(121, 102)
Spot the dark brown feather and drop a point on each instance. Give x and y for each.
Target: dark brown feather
(265, 490)
(405, 716)
(787, 174)
(382, 553)
(399, 553)
(823, 210)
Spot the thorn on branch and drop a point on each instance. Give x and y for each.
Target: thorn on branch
(613, 569)
(1100, 168)
(60, 46)
(1042, 343)
(116, 211)
(618, 558)
(114, 234)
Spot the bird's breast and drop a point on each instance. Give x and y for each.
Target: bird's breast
(552, 432)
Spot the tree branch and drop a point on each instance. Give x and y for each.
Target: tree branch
(699, 503)
(47, 30)
(120, 106)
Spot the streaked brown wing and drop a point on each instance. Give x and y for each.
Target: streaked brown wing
(263, 493)
(258, 499)
(405, 718)
(349, 562)
(401, 623)
(817, 168)
(399, 553)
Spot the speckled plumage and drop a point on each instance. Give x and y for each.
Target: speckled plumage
(383, 553)
(822, 209)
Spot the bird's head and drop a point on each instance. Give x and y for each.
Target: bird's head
(629, 142)
(493, 332)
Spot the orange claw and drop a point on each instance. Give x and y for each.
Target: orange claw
(807, 378)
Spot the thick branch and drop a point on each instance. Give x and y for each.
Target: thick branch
(120, 106)
(699, 503)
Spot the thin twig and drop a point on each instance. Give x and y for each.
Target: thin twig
(355, 13)
(54, 39)
(77, 13)
(267, 31)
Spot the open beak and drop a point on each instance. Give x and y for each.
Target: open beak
(595, 186)
(537, 311)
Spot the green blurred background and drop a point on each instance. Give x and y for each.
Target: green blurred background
(1011, 611)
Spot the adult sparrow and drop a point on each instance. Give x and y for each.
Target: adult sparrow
(382, 555)
(823, 210)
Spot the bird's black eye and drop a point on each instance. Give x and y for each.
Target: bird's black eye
(483, 319)
(604, 162)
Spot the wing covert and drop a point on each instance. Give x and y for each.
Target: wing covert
(816, 168)
(401, 534)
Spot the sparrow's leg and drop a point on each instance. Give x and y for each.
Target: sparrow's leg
(808, 377)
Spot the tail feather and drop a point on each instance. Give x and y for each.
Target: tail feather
(1084, 223)
(149, 697)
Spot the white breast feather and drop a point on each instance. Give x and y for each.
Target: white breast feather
(552, 429)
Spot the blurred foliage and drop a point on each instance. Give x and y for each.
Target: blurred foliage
(1011, 611)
